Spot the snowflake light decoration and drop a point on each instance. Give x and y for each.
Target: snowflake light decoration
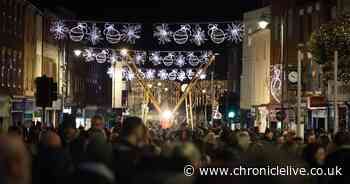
(181, 76)
(150, 74)
(89, 55)
(131, 33)
(110, 72)
(155, 58)
(59, 29)
(234, 32)
(198, 36)
(114, 57)
(163, 34)
(94, 34)
(180, 60)
(163, 74)
(140, 57)
(130, 75)
(204, 57)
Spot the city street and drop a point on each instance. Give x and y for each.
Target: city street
(167, 92)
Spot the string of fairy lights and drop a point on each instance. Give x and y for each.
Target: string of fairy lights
(116, 33)
(172, 65)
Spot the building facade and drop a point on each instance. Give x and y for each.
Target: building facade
(255, 78)
(27, 52)
(292, 23)
(11, 65)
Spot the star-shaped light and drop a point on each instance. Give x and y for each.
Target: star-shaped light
(163, 34)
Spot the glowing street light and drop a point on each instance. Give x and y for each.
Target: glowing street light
(264, 21)
(204, 91)
(159, 84)
(77, 52)
(167, 115)
(166, 89)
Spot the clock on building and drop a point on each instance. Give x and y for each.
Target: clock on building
(293, 77)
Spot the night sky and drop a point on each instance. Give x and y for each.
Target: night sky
(147, 11)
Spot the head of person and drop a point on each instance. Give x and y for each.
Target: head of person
(311, 138)
(133, 130)
(280, 140)
(342, 138)
(268, 134)
(187, 152)
(243, 140)
(14, 161)
(50, 139)
(97, 122)
(320, 155)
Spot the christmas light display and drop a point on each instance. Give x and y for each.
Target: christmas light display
(172, 75)
(276, 82)
(234, 32)
(113, 36)
(192, 59)
(204, 57)
(89, 55)
(181, 76)
(190, 73)
(94, 34)
(111, 73)
(163, 34)
(180, 60)
(102, 56)
(169, 59)
(150, 74)
(140, 57)
(216, 34)
(163, 75)
(77, 33)
(198, 36)
(59, 30)
(181, 35)
(155, 58)
(131, 33)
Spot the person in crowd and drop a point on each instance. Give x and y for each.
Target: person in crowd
(268, 137)
(53, 163)
(340, 158)
(97, 122)
(14, 161)
(126, 151)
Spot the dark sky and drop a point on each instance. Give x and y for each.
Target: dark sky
(155, 10)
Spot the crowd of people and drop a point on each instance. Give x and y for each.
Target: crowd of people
(134, 153)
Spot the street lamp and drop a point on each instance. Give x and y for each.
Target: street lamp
(264, 22)
(159, 84)
(77, 52)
